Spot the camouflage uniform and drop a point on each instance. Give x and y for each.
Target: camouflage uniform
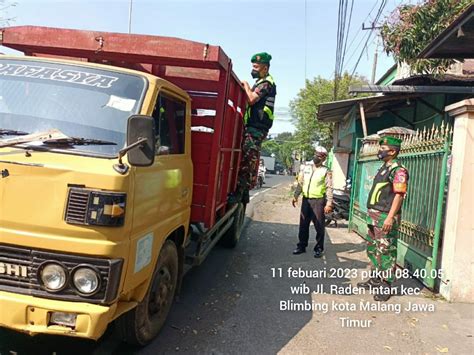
(251, 146)
(258, 120)
(382, 246)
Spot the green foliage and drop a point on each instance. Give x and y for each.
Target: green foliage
(282, 146)
(269, 147)
(304, 108)
(412, 27)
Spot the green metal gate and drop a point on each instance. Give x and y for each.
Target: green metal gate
(425, 155)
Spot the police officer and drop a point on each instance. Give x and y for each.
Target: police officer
(315, 182)
(258, 120)
(384, 211)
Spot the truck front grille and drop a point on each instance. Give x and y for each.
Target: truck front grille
(76, 211)
(18, 259)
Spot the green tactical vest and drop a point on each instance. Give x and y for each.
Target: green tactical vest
(314, 182)
(261, 114)
(381, 194)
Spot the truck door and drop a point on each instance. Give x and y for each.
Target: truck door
(163, 191)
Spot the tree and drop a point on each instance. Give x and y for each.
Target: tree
(304, 108)
(282, 146)
(269, 147)
(286, 146)
(411, 28)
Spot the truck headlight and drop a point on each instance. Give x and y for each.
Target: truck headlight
(53, 276)
(86, 280)
(95, 207)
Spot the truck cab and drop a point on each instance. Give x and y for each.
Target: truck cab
(63, 197)
(101, 209)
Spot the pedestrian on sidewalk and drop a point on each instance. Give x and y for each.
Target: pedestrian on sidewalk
(384, 216)
(258, 120)
(315, 182)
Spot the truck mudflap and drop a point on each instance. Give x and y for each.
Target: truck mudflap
(34, 315)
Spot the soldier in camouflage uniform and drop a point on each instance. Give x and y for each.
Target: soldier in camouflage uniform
(258, 120)
(384, 211)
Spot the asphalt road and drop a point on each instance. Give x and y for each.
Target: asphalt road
(231, 303)
(227, 305)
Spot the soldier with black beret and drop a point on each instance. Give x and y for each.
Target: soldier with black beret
(384, 216)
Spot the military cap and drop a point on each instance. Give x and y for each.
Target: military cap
(261, 58)
(391, 141)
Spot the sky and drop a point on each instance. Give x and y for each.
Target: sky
(300, 35)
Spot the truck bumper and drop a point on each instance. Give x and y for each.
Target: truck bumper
(32, 315)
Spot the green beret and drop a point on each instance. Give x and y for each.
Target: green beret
(261, 58)
(391, 141)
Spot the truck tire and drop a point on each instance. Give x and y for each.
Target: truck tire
(232, 235)
(142, 324)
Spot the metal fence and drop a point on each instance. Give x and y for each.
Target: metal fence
(425, 155)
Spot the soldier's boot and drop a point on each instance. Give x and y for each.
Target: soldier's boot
(245, 197)
(372, 282)
(385, 294)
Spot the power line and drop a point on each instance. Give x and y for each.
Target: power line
(347, 36)
(356, 48)
(343, 27)
(357, 33)
(338, 43)
(377, 17)
(361, 54)
(338, 35)
(342, 37)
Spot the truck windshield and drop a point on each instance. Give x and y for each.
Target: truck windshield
(79, 101)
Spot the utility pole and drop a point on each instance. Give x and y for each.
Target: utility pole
(130, 17)
(374, 66)
(373, 27)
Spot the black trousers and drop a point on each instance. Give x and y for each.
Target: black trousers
(312, 210)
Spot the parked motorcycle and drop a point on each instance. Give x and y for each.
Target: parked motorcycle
(261, 176)
(259, 181)
(341, 204)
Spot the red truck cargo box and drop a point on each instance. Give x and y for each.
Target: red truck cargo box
(204, 71)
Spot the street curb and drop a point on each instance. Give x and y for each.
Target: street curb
(249, 212)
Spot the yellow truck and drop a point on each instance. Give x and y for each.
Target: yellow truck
(117, 156)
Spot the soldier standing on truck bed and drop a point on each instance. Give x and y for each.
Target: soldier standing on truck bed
(258, 120)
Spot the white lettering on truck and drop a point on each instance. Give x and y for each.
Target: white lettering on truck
(64, 75)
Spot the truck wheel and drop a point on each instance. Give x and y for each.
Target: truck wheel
(143, 323)
(232, 235)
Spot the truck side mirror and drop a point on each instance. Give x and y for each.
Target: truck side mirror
(141, 128)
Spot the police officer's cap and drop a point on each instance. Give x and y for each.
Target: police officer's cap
(321, 150)
(391, 141)
(261, 58)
